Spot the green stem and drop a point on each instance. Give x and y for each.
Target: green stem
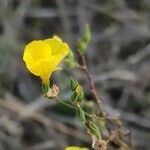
(87, 114)
(62, 102)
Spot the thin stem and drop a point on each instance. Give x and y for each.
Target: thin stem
(62, 102)
(87, 114)
(84, 67)
(101, 118)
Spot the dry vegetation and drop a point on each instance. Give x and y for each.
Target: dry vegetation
(118, 57)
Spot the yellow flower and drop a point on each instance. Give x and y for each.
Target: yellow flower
(75, 148)
(42, 57)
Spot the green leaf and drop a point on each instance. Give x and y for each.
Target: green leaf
(74, 96)
(81, 115)
(73, 84)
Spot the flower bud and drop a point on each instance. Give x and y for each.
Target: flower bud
(79, 91)
(82, 47)
(87, 34)
(70, 60)
(84, 41)
(93, 129)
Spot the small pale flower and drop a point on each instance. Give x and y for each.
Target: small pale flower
(99, 144)
(42, 57)
(53, 92)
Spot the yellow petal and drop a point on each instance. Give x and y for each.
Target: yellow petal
(43, 57)
(75, 148)
(57, 46)
(45, 78)
(37, 50)
(57, 37)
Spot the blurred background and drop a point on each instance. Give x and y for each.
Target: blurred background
(118, 57)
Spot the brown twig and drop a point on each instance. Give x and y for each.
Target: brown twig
(97, 99)
(85, 68)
